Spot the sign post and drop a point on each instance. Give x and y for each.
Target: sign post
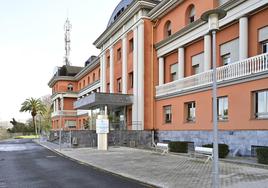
(102, 129)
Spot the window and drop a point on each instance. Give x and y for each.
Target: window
(84, 83)
(191, 14)
(173, 72)
(80, 86)
(99, 73)
(168, 29)
(190, 112)
(93, 77)
(261, 104)
(88, 79)
(130, 80)
(108, 61)
(118, 54)
(70, 87)
(131, 45)
(229, 52)
(70, 124)
(196, 69)
(226, 59)
(173, 76)
(263, 38)
(167, 114)
(108, 88)
(119, 89)
(222, 108)
(265, 47)
(197, 61)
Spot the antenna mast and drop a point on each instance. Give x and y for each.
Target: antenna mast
(67, 29)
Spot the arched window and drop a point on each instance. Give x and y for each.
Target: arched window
(70, 87)
(93, 77)
(167, 29)
(190, 14)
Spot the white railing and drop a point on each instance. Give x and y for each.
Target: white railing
(64, 113)
(82, 112)
(238, 69)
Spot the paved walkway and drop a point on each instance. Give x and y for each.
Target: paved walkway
(166, 170)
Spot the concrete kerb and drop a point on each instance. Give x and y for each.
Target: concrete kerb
(255, 165)
(147, 184)
(244, 163)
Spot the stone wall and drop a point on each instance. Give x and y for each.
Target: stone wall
(86, 138)
(239, 142)
(140, 139)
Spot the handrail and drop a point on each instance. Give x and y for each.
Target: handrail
(237, 69)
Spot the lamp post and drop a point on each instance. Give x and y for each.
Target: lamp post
(213, 17)
(60, 113)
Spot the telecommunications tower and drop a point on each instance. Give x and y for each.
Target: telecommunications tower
(67, 29)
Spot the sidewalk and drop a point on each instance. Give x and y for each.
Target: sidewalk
(173, 171)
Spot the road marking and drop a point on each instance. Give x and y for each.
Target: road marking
(51, 156)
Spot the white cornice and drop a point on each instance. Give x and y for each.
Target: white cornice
(64, 95)
(239, 10)
(60, 78)
(110, 31)
(162, 8)
(112, 42)
(79, 75)
(87, 69)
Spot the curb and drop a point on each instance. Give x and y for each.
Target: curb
(97, 168)
(254, 165)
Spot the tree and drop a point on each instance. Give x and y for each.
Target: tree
(46, 117)
(19, 127)
(34, 106)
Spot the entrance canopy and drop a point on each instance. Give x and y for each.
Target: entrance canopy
(95, 100)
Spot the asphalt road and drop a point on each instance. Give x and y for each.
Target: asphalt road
(24, 164)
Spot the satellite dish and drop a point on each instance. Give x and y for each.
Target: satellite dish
(55, 70)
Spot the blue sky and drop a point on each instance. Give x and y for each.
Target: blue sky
(32, 44)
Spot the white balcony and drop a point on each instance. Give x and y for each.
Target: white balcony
(65, 113)
(247, 67)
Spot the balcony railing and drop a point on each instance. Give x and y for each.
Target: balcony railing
(235, 70)
(64, 113)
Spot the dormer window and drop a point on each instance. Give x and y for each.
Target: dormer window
(191, 14)
(70, 87)
(168, 29)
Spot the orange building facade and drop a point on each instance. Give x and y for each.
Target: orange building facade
(154, 72)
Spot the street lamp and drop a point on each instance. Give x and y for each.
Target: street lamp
(60, 113)
(213, 17)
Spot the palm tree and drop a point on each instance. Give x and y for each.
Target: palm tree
(34, 106)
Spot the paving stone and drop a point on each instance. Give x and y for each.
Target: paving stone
(171, 171)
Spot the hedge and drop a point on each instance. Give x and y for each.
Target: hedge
(179, 147)
(262, 155)
(223, 149)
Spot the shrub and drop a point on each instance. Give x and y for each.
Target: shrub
(223, 149)
(262, 155)
(179, 147)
